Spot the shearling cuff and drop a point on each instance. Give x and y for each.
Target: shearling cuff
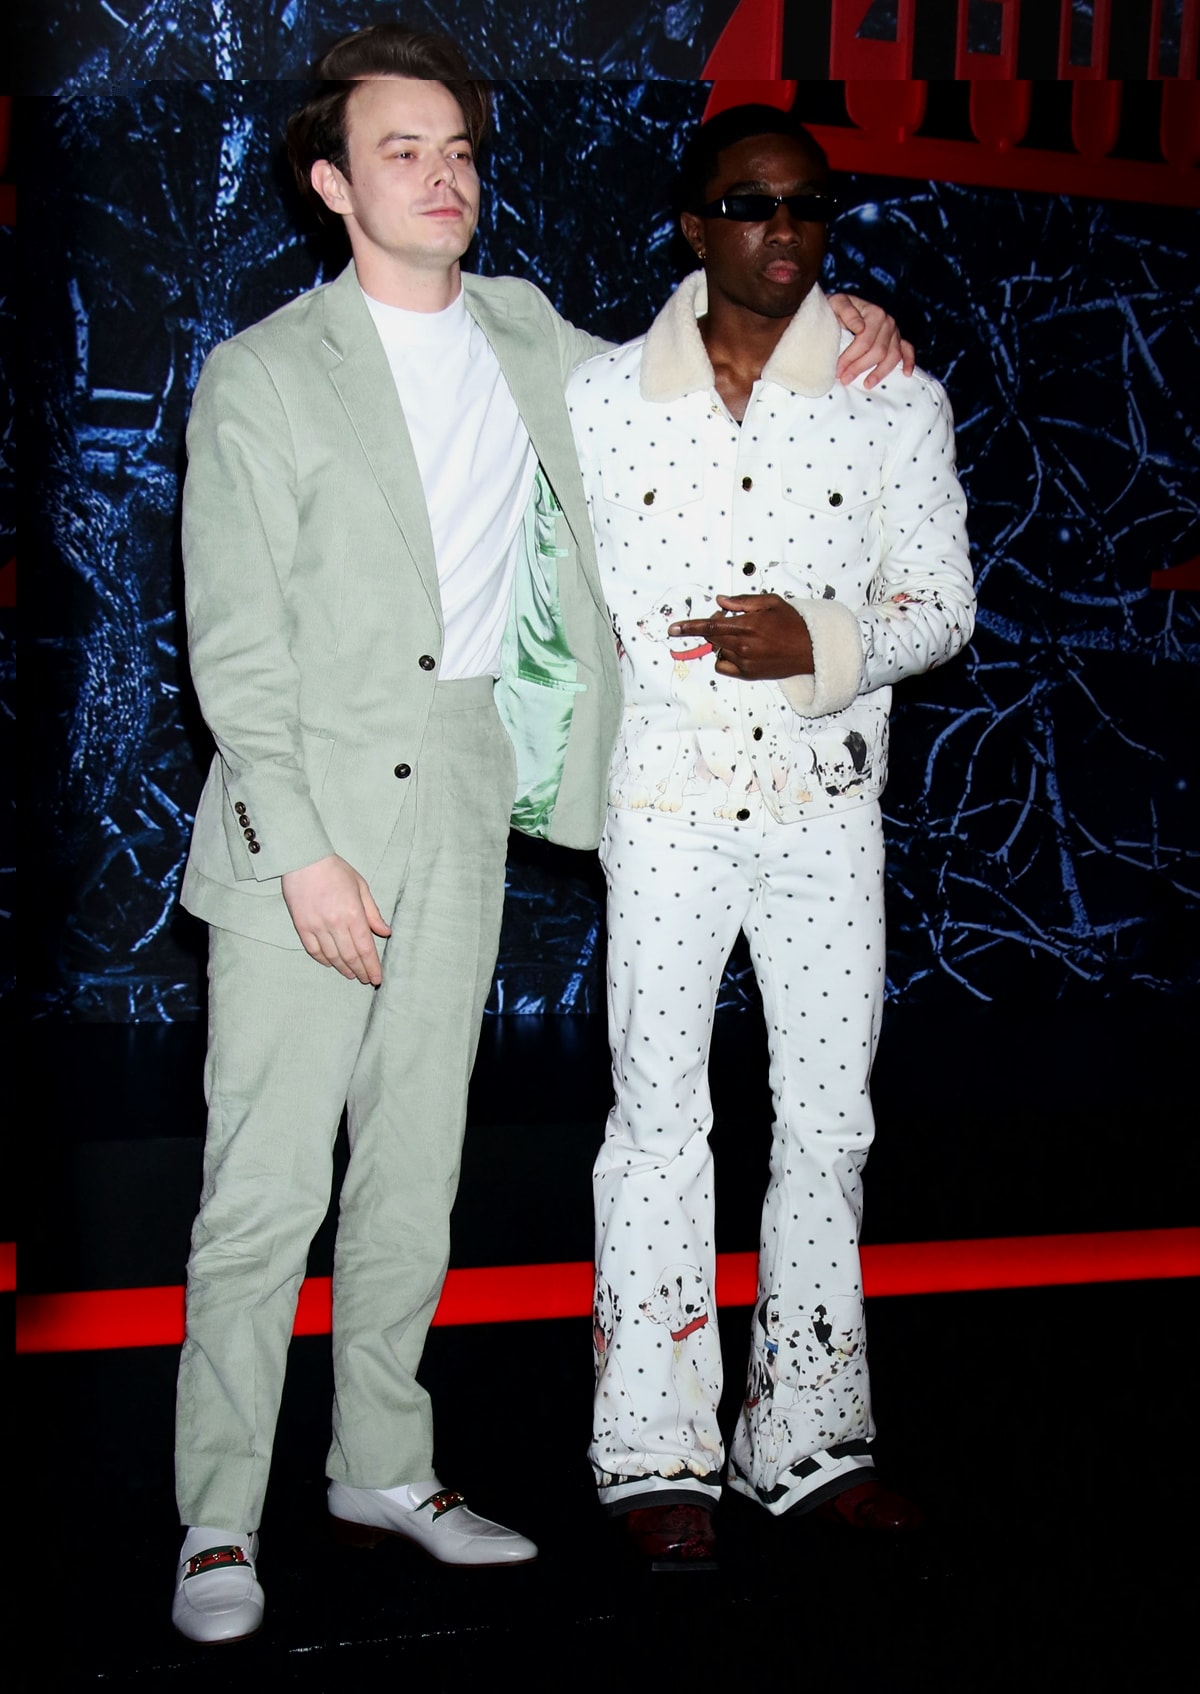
(837, 660)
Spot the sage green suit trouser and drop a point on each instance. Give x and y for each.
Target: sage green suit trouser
(290, 1043)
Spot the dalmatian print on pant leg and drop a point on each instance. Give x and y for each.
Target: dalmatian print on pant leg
(819, 956)
(659, 1384)
(680, 890)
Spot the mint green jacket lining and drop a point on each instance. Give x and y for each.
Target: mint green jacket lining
(538, 682)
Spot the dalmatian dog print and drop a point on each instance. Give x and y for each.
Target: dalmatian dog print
(698, 743)
(846, 769)
(614, 1443)
(806, 1386)
(681, 1303)
(667, 765)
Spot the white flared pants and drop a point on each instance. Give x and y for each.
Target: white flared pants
(809, 897)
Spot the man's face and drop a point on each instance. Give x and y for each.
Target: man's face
(766, 268)
(412, 193)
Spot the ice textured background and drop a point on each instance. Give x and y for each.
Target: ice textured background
(8, 657)
(72, 45)
(1041, 806)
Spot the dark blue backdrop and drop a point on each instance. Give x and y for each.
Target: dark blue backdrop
(81, 44)
(8, 658)
(1041, 793)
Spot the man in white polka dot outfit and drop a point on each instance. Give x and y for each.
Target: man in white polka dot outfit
(777, 550)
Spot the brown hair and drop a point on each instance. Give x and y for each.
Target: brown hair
(318, 129)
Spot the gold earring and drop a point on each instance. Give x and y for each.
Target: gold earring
(700, 254)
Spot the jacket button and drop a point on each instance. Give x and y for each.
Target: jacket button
(402, 770)
(240, 808)
(758, 732)
(426, 662)
(747, 483)
(249, 834)
(835, 499)
(743, 814)
(748, 568)
(254, 847)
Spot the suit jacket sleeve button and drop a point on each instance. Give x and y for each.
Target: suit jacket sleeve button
(254, 847)
(240, 808)
(426, 662)
(402, 771)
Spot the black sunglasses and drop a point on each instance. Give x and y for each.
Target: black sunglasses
(758, 208)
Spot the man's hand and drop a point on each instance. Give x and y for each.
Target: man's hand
(335, 918)
(760, 639)
(877, 346)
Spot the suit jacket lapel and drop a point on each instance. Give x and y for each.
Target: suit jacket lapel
(535, 381)
(359, 372)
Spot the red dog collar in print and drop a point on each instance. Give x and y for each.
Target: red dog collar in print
(690, 1329)
(693, 652)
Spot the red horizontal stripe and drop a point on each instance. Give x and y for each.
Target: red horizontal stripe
(8, 1266)
(153, 1317)
(109, 1317)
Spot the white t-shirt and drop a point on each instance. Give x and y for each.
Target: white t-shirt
(476, 464)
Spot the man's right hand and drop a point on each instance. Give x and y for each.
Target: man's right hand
(336, 917)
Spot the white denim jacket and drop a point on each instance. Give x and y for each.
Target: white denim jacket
(842, 500)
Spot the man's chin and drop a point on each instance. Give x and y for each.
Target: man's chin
(445, 250)
(784, 300)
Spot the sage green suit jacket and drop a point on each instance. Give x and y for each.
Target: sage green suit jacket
(314, 619)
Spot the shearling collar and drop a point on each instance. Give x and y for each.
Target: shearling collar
(674, 362)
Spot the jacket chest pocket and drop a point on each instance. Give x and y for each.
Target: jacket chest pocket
(652, 492)
(830, 489)
(831, 511)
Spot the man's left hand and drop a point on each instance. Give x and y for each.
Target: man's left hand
(761, 638)
(877, 346)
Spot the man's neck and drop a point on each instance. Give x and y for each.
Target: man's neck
(738, 344)
(415, 290)
(739, 339)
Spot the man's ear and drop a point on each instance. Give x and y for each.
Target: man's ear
(693, 231)
(330, 184)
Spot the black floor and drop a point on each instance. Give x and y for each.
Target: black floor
(1047, 1432)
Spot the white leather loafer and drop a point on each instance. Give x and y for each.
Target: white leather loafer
(435, 1518)
(217, 1595)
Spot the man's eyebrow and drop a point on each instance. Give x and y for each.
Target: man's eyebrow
(755, 185)
(406, 135)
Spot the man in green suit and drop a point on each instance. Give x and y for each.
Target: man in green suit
(399, 642)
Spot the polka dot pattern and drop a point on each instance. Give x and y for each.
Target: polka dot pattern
(733, 808)
(810, 901)
(850, 496)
